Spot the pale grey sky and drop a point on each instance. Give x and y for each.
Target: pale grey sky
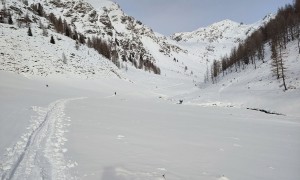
(170, 16)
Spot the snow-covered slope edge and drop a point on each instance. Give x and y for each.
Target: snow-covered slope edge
(258, 88)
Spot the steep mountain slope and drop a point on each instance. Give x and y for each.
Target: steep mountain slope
(37, 56)
(105, 19)
(125, 35)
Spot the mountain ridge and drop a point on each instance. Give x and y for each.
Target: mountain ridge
(136, 44)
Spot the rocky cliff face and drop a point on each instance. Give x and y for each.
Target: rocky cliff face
(110, 23)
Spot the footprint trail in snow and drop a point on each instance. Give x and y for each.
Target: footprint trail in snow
(39, 153)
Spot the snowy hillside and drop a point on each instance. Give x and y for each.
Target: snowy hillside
(255, 88)
(218, 39)
(37, 56)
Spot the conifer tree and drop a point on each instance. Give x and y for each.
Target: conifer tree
(275, 61)
(52, 19)
(40, 10)
(282, 67)
(10, 21)
(278, 62)
(75, 35)
(52, 40)
(29, 31)
(81, 39)
(67, 29)
(59, 25)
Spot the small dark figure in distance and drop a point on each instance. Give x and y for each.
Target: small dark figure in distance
(180, 101)
(47, 85)
(115, 93)
(164, 176)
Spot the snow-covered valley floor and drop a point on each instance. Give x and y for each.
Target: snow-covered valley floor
(79, 129)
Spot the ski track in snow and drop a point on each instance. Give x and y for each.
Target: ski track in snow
(39, 153)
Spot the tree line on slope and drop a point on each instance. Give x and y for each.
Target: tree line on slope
(61, 26)
(285, 27)
(108, 50)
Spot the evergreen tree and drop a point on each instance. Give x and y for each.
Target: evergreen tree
(52, 40)
(67, 29)
(29, 31)
(81, 39)
(52, 19)
(40, 10)
(59, 25)
(141, 61)
(10, 21)
(75, 35)
(224, 65)
(89, 43)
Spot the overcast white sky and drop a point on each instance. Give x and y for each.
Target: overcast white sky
(170, 16)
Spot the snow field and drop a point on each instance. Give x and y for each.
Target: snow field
(136, 138)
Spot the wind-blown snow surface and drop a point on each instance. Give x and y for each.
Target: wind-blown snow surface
(140, 133)
(144, 139)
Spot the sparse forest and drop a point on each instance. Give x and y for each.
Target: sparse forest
(285, 27)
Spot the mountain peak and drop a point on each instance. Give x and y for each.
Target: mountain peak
(225, 22)
(100, 3)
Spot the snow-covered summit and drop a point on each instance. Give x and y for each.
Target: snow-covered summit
(216, 40)
(217, 32)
